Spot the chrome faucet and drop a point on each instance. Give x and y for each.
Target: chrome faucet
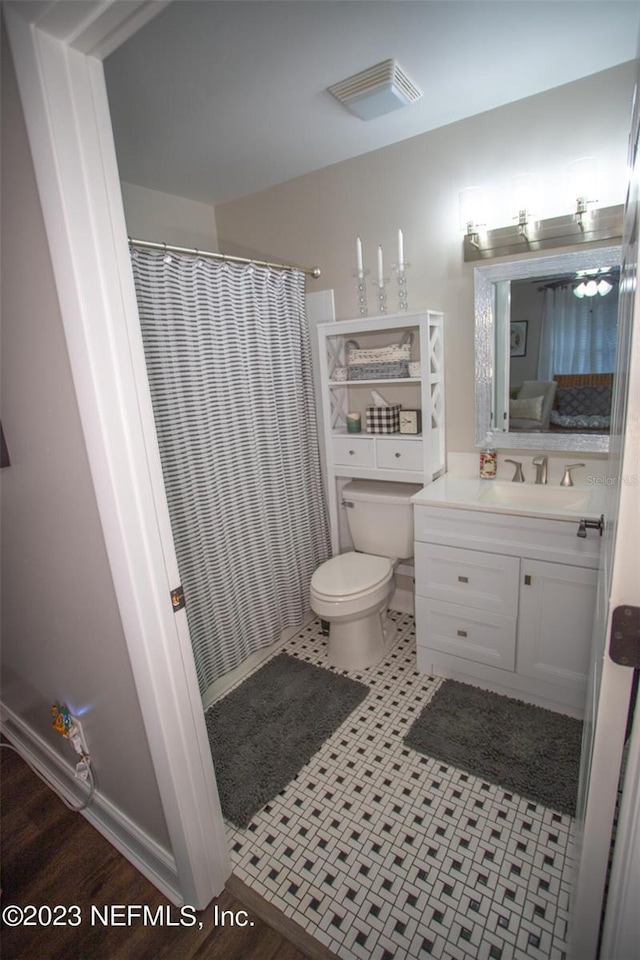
(540, 463)
(517, 476)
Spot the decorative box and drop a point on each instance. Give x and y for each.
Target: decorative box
(383, 419)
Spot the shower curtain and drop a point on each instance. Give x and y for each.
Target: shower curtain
(229, 366)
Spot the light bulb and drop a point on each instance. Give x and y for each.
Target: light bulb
(579, 291)
(591, 288)
(473, 209)
(604, 287)
(524, 198)
(581, 183)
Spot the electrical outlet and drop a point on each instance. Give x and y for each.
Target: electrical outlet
(76, 735)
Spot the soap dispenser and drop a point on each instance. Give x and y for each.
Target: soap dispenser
(488, 463)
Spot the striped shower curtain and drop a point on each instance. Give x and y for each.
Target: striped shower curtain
(229, 366)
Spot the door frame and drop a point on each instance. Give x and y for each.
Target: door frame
(605, 916)
(58, 50)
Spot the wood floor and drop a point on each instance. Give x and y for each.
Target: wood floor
(51, 855)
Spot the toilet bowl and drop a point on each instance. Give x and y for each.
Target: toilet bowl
(352, 591)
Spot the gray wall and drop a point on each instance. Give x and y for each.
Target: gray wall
(62, 637)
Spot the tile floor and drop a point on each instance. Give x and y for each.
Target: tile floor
(380, 852)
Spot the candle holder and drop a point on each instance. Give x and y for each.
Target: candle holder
(380, 284)
(401, 279)
(361, 285)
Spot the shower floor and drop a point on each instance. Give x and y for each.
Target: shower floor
(379, 852)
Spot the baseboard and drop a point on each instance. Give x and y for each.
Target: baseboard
(276, 919)
(141, 850)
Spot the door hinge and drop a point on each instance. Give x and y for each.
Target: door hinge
(177, 599)
(624, 643)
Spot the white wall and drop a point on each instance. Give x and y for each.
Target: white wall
(415, 185)
(152, 215)
(62, 637)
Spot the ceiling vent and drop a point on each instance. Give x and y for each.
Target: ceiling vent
(376, 91)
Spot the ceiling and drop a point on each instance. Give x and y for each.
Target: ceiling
(216, 99)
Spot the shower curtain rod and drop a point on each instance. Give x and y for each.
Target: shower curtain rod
(167, 248)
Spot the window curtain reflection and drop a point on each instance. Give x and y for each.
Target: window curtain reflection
(578, 336)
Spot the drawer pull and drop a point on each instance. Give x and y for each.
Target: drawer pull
(462, 633)
(351, 453)
(463, 579)
(398, 455)
(527, 579)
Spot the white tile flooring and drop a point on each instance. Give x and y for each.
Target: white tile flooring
(380, 852)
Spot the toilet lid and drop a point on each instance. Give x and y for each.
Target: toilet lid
(350, 573)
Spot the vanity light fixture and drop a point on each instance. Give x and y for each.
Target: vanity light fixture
(603, 223)
(473, 215)
(524, 203)
(582, 187)
(585, 224)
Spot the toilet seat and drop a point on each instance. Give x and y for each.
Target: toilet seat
(350, 576)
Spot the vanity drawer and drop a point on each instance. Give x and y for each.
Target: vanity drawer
(394, 454)
(486, 581)
(476, 635)
(357, 451)
(538, 538)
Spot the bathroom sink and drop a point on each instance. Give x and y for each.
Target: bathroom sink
(539, 497)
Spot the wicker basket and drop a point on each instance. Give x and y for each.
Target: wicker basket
(395, 353)
(378, 371)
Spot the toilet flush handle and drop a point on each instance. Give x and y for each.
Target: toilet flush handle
(347, 503)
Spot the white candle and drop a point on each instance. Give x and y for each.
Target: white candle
(380, 270)
(400, 247)
(359, 254)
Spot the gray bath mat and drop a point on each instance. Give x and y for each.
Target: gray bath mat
(523, 748)
(263, 732)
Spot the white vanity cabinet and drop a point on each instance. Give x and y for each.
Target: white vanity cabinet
(401, 457)
(506, 602)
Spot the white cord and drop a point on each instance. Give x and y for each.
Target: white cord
(92, 784)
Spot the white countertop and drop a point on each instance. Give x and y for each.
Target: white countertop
(551, 502)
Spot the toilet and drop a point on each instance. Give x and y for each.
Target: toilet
(352, 590)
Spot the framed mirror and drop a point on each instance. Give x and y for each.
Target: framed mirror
(545, 351)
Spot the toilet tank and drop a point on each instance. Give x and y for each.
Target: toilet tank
(380, 516)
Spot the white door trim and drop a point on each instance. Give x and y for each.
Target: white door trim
(621, 933)
(69, 127)
(606, 717)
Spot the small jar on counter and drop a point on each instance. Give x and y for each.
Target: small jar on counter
(488, 463)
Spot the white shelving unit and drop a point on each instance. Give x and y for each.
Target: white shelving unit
(397, 457)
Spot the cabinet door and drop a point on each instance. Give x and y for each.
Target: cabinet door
(557, 605)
